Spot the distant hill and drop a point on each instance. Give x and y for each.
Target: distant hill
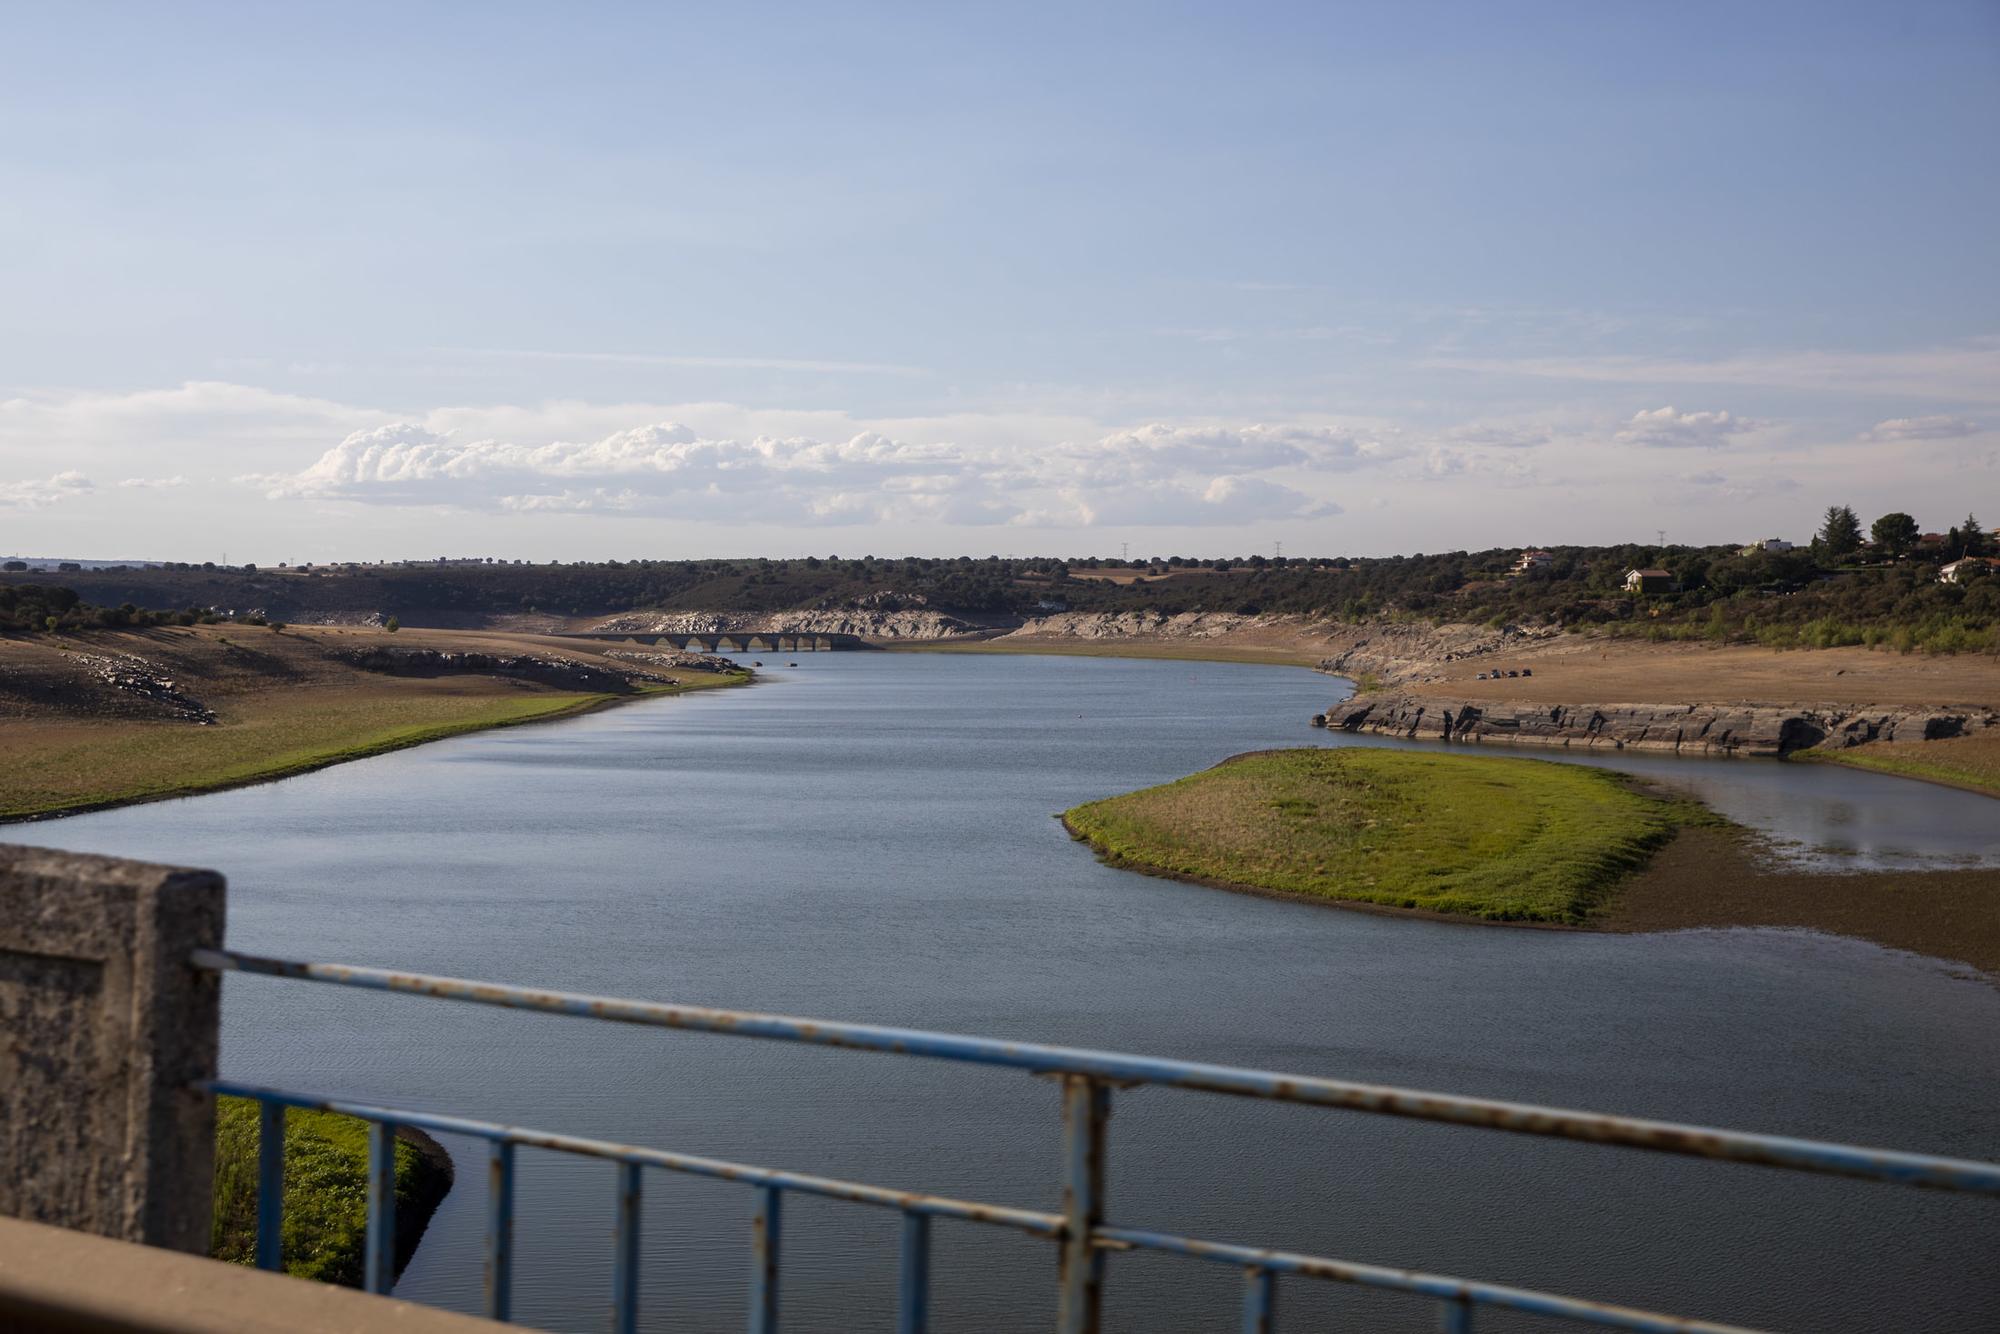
(1718, 593)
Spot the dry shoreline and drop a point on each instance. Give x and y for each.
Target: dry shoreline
(202, 789)
(94, 720)
(1712, 879)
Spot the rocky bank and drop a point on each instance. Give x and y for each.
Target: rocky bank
(1709, 729)
(905, 624)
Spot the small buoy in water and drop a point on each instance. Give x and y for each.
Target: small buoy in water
(756, 664)
(791, 664)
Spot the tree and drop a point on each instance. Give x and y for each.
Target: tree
(1840, 535)
(1972, 537)
(1895, 533)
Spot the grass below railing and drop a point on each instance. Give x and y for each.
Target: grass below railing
(326, 1191)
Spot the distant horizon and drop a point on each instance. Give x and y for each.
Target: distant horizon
(1351, 277)
(1135, 560)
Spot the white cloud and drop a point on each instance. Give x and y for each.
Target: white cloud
(30, 495)
(1921, 428)
(153, 483)
(1153, 474)
(1670, 428)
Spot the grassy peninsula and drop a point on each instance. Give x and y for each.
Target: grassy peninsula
(1502, 839)
(326, 1191)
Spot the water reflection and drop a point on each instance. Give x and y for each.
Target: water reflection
(869, 837)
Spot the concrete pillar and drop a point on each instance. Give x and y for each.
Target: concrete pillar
(104, 1028)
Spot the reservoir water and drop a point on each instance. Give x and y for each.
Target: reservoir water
(869, 837)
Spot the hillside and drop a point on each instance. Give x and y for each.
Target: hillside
(1718, 594)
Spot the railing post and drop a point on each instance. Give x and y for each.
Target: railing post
(766, 1233)
(625, 1254)
(1260, 1301)
(270, 1185)
(1086, 1108)
(107, 1045)
(1455, 1317)
(913, 1277)
(499, 1230)
(381, 1238)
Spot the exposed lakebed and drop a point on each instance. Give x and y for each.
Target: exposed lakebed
(869, 837)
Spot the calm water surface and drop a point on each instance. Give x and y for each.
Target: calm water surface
(869, 837)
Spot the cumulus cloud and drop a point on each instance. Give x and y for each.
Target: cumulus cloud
(1151, 450)
(1153, 474)
(31, 495)
(1670, 428)
(153, 483)
(1920, 428)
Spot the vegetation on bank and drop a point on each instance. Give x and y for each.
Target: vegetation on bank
(1502, 839)
(43, 608)
(1971, 762)
(1821, 595)
(326, 1190)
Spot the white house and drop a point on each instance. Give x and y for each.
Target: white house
(1534, 560)
(1955, 572)
(1648, 581)
(1772, 545)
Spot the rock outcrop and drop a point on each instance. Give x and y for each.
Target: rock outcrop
(869, 624)
(1713, 729)
(687, 662)
(1399, 654)
(1099, 625)
(141, 681)
(561, 673)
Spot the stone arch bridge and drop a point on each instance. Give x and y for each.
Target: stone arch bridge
(730, 641)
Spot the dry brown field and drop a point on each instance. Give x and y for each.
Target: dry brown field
(1579, 669)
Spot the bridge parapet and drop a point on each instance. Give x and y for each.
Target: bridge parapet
(108, 1036)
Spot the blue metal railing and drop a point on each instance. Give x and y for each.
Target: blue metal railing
(1080, 1230)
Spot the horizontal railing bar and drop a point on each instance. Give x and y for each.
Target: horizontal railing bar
(1413, 1281)
(1909, 1169)
(1050, 1226)
(937, 1206)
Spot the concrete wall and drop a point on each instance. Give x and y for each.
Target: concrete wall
(104, 1028)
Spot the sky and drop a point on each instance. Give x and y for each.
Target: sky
(605, 281)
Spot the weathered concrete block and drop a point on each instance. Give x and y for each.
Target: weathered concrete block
(104, 1030)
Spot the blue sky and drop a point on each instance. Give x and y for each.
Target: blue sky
(308, 283)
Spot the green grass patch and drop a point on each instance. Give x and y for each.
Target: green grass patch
(326, 1190)
(1504, 839)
